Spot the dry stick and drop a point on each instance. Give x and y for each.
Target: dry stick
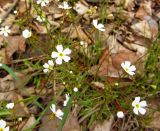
(9, 10)
(31, 58)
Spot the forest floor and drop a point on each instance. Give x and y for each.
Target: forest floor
(79, 65)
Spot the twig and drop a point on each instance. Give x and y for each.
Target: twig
(9, 10)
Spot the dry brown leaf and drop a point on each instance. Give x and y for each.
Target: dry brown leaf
(80, 8)
(77, 32)
(14, 43)
(154, 103)
(97, 85)
(129, 4)
(144, 10)
(22, 6)
(71, 127)
(147, 28)
(105, 126)
(29, 123)
(48, 123)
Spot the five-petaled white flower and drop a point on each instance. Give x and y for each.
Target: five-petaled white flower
(98, 26)
(5, 31)
(10, 105)
(75, 89)
(130, 69)
(42, 2)
(61, 54)
(26, 33)
(65, 6)
(139, 106)
(67, 99)
(120, 114)
(3, 126)
(40, 18)
(58, 113)
(48, 66)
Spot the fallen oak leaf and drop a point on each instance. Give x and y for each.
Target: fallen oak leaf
(14, 44)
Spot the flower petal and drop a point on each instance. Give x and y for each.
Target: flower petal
(46, 65)
(45, 70)
(136, 101)
(53, 108)
(54, 54)
(6, 129)
(100, 26)
(59, 48)
(59, 60)
(50, 62)
(2, 124)
(143, 103)
(132, 68)
(135, 110)
(66, 58)
(127, 63)
(59, 114)
(67, 51)
(142, 110)
(95, 22)
(130, 73)
(123, 66)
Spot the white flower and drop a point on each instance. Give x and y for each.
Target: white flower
(71, 72)
(65, 6)
(58, 113)
(40, 18)
(120, 114)
(26, 33)
(48, 66)
(130, 69)
(15, 11)
(10, 105)
(75, 89)
(116, 84)
(67, 99)
(20, 119)
(98, 26)
(5, 31)
(139, 106)
(61, 54)
(3, 126)
(0, 20)
(0, 64)
(42, 2)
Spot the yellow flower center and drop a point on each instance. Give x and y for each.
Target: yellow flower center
(126, 69)
(137, 106)
(61, 54)
(1, 129)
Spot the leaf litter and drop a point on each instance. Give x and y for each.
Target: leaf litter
(129, 41)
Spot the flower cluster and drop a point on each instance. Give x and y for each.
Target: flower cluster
(60, 55)
(138, 106)
(58, 113)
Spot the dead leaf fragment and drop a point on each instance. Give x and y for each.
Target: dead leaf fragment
(29, 123)
(144, 10)
(147, 28)
(105, 126)
(14, 43)
(71, 127)
(77, 32)
(80, 8)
